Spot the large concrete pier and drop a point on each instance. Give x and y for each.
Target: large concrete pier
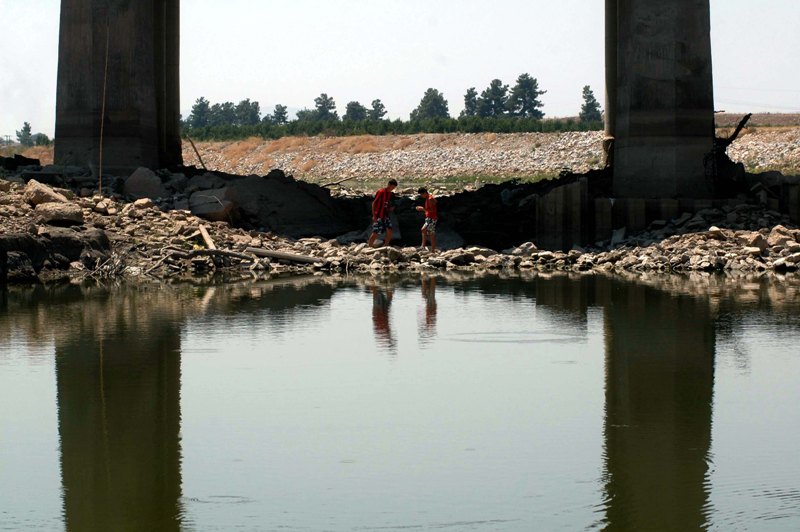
(119, 62)
(660, 106)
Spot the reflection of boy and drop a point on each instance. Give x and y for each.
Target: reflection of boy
(431, 217)
(429, 293)
(381, 208)
(381, 302)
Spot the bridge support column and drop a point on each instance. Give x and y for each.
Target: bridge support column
(663, 123)
(126, 53)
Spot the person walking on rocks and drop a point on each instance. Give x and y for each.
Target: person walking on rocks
(431, 217)
(381, 209)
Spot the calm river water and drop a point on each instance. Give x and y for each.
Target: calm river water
(548, 403)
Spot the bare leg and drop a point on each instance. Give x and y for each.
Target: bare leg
(424, 235)
(388, 237)
(372, 238)
(433, 241)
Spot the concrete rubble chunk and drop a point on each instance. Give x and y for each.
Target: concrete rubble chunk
(780, 236)
(206, 181)
(144, 183)
(36, 193)
(213, 205)
(60, 213)
(143, 203)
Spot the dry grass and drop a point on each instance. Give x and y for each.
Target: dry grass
(240, 149)
(403, 142)
(308, 165)
(759, 119)
(43, 153)
(287, 144)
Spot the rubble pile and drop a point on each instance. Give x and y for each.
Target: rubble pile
(54, 232)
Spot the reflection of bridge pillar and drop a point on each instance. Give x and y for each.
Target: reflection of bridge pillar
(659, 385)
(139, 43)
(119, 423)
(664, 119)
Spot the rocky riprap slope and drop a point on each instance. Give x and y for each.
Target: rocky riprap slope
(437, 158)
(145, 242)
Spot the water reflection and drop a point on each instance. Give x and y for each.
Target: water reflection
(118, 386)
(381, 324)
(426, 321)
(118, 376)
(659, 389)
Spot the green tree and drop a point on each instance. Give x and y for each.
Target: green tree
(493, 100)
(40, 139)
(432, 105)
(280, 116)
(325, 108)
(24, 136)
(247, 113)
(355, 112)
(590, 110)
(306, 115)
(222, 114)
(524, 100)
(377, 112)
(470, 103)
(200, 113)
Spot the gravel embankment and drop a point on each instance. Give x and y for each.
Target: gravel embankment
(442, 157)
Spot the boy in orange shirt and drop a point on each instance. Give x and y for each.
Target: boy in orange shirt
(431, 217)
(381, 208)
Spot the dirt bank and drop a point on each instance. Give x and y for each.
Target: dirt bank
(454, 161)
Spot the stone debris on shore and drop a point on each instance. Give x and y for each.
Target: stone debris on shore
(147, 242)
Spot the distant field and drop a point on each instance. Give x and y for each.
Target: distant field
(759, 119)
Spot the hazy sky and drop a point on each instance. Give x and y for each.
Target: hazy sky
(290, 51)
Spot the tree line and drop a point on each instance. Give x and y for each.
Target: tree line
(498, 108)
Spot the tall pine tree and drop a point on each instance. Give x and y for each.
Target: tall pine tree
(524, 100)
(590, 110)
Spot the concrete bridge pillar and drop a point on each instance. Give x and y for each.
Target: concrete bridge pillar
(124, 53)
(661, 110)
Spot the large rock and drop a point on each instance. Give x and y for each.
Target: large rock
(37, 193)
(72, 244)
(448, 239)
(60, 213)
(213, 205)
(780, 236)
(56, 246)
(285, 206)
(19, 268)
(204, 182)
(144, 183)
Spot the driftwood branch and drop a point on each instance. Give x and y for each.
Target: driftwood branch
(196, 152)
(206, 237)
(339, 182)
(282, 255)
(181, 254)
(724, 143)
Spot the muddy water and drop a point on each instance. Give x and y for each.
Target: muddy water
(656, 403)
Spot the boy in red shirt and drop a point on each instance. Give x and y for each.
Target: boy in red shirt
(431, 217)
(381, 208)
